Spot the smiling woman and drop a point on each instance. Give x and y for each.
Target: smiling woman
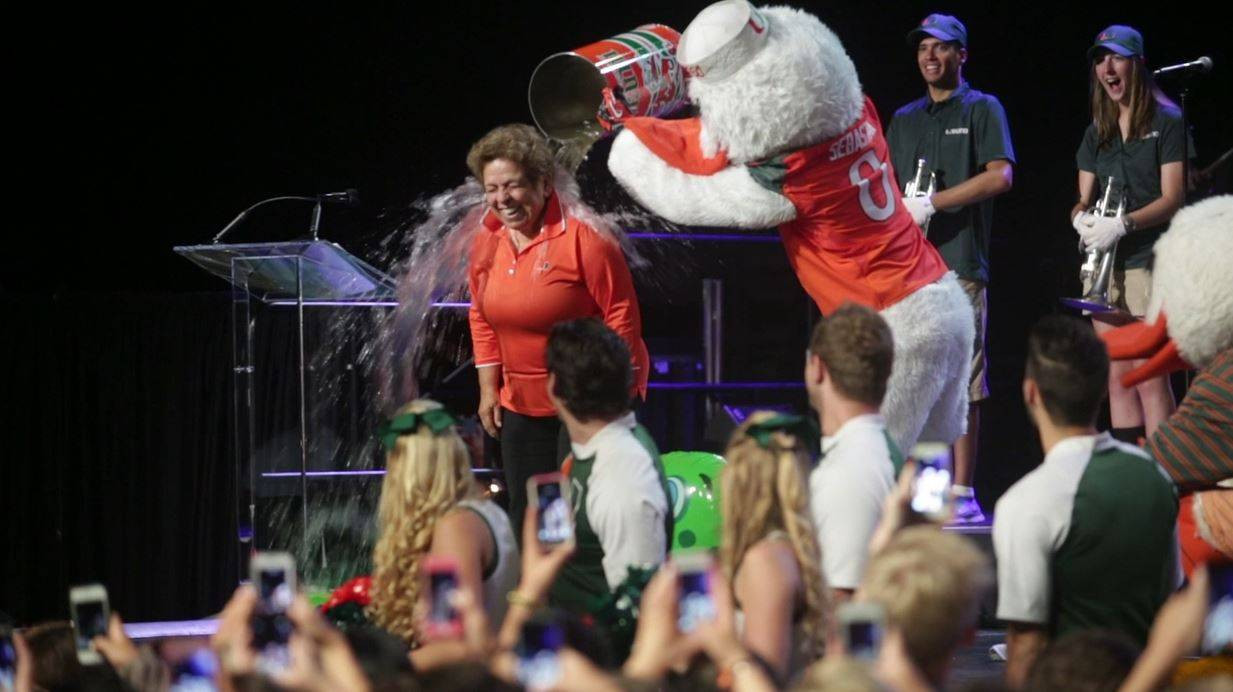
(532, 266)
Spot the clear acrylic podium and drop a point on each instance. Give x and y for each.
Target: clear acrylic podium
(276, 373)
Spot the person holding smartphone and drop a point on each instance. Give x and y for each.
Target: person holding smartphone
(431, 505)
(1136, 138)
(618, 488)
(846, 370)
(769, 548)
(1093, 502)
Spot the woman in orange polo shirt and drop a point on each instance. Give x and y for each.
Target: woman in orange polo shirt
(533, 265)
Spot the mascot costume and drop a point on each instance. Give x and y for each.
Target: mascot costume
(786, 138)
(1190, 324)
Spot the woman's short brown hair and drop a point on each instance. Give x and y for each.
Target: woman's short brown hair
(519, 143)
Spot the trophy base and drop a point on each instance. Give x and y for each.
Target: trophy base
(1100, 311)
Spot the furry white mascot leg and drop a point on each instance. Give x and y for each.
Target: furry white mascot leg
(927, 396)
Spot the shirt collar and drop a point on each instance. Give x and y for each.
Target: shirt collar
(619, 426)
(954, 97)
(552, 225)
(1079, 444)
(851, 427)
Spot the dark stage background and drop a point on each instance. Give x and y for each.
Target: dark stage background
(137, 132)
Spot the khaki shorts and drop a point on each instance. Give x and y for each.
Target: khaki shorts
(1129, 290)
(978, 385)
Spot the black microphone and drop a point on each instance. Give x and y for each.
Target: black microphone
(348, 198)
(1200, 66)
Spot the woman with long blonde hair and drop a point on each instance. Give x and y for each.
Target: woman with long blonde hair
(431, 504)
(769, 549)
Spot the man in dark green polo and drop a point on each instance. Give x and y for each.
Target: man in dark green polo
(962, 136)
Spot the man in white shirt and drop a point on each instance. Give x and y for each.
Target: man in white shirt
(1085, 540)
(846, 369)
(618, 488)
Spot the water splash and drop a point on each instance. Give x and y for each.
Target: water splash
(365, 363)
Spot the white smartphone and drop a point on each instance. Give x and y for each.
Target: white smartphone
(91, 613)
(695, 603)
(548, 493)
(273, 575)
(860, 627)
(931, 488)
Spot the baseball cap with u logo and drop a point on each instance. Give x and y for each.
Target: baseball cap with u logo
(939, 26)
(1124, 40)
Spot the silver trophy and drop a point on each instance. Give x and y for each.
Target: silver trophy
(1097, 269)
(923, 184)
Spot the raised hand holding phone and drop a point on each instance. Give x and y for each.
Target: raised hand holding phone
(91, 613)
(274, 576)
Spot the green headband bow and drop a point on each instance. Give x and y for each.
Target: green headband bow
(803, 427)
(438, 420)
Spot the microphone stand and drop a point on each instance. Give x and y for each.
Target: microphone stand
(1185, 143)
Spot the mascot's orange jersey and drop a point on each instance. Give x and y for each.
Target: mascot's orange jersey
(852, 238)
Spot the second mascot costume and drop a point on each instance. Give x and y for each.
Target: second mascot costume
(787, 139)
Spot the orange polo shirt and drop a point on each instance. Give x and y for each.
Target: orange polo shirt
(568, 271)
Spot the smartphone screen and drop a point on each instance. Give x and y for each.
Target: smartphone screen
(863, 639)
(695, 604)
(443, 585)
(8, 659)
(553, 521)
(538, 666)
(196, 672)
(91, 621)
(932, 485)
(1218, 626)
(274, 593)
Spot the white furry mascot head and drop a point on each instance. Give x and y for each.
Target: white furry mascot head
(783, 82)
(1190, 317)
(785, 138)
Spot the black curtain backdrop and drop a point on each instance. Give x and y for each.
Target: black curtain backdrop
(134, 131)
(117, 465)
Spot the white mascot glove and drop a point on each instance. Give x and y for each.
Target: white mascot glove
(921, 208)
(1102, 232)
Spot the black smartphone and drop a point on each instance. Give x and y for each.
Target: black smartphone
(1218, 626)
(8, 659)
(538, 665)
(554, 520)
(860, 626)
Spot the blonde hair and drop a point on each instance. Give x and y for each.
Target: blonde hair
(765, 490)
(930, 583)
(837, 674)
(426, 476)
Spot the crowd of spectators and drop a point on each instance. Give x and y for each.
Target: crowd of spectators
(1086, 571)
